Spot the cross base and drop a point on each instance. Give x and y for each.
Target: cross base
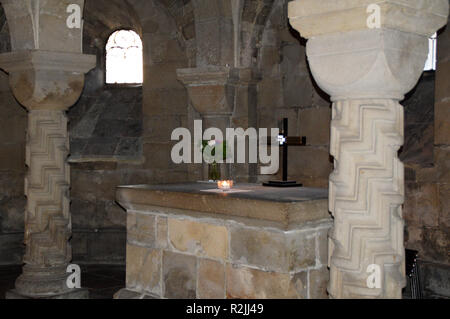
(282, 184)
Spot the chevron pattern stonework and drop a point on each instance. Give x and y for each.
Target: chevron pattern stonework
(48, 224)
(366, 197)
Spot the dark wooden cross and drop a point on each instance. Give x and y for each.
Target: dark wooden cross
(285, 142)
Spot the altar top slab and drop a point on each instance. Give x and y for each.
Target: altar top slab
(282, 205)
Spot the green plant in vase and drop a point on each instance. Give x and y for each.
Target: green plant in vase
(209, 149)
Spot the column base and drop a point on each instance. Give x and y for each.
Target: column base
(74, 294)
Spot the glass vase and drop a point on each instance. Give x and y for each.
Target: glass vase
(214, 172)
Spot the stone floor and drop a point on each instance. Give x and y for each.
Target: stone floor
(103, 281)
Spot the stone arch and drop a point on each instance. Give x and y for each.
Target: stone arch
(182, 12)
(100, 23)
(5, 40)
(253, 19)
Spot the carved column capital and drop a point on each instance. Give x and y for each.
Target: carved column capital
(350, 58)
(46, 80)
(212, 89)
(315, 18)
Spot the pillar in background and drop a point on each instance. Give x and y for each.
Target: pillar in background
(46, 73)
(224, 96)
(367, 54)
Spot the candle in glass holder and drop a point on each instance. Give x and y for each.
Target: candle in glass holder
(225, 185)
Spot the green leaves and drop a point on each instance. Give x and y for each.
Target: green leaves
(209, 148)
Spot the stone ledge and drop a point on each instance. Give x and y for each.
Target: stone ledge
(47, 61)
(275, 207)
(221, 219)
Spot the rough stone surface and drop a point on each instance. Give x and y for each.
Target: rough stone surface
(141, 229)
(13, 124)
(271, 250)
(419, 123)
(318, 283)
(179, 276)
(247, 283)
(201, 239)
(302, 250)
(211, 280)
(299, 284)
(106, 122)
(101, 246)
(11, 248)
(162, 229)
(144, 269)
(258, 247)
(436, 278)
(426, 203)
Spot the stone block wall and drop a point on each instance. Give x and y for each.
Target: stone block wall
(178, 256)
(12, 173)
(105, 129)
(288, 90)
(106, 123)
(13, 122)
(427, 161)
(121, 135)
(106, 146)
(165, 101)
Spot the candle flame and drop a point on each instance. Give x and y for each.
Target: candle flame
(225, 185)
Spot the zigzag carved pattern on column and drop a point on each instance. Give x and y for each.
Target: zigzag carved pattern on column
(47, 189)
(366, 194)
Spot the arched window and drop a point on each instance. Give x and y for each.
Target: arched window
(124, 63)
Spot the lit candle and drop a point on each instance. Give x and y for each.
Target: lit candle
(225, 185)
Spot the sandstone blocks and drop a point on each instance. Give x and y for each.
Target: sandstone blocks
(179, 256)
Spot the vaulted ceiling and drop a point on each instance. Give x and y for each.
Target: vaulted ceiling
(105, 16)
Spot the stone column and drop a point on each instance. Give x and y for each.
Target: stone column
(222, 96)
(367, 55)
(46, 73)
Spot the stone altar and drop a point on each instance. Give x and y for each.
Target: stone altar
(185, 242)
